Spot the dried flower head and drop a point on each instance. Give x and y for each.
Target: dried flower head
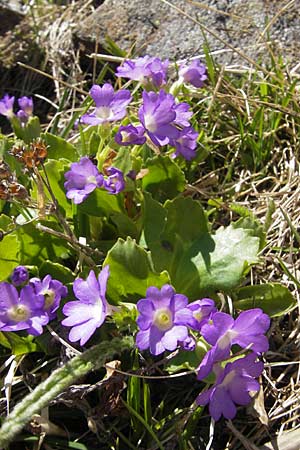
(12, 189)
(5, 171)
(32, 156)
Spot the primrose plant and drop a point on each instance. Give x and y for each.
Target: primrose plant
(101, 238)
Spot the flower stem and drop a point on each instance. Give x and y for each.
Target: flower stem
(58, 381)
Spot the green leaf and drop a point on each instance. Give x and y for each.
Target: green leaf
(100, 203)
(200, 263)
(216, 262)
(131, 271)
(55, 173)
(59, 147)
(126, 226)
(123, 160)
(178, 233)
(29, 132)
(254, 227)
(154, 215)
(35, 247)
(165, 179)
(273, 298)
(167, 235)
(9, 249)
(187, 360)
(57, 271)
(3, 340)
(94, 143)
(19, 345)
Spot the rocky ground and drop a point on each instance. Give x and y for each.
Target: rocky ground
(57, 37)
(179, 28)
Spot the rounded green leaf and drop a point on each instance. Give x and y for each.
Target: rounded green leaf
(59, 147)
(164, 178)
(9, 249)
(131, 271)
(57, 271)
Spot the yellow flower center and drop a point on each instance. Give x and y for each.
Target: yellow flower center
(49, 298)
(18, 313)
(91, 179)
(163, 319)
(125, 136)
(198, 315)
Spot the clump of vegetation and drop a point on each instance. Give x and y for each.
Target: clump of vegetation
(157, 222)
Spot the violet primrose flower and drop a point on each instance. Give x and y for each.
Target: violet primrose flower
(189, 344)
(232, 387)
(157, 115)
(202, 311)
(222, 331)
(183, 114)
(162, 320)
(22, 116)
(130, 135)
(26, 105)
(21, 313)
(52, 290)
(115, 182)
(186, 143)
(110, 106)
(19, 276)
(158, 71)
(82, 179)
(163, 119)
(6, 106)
(193, 73)
(87, 314)
(146, 69)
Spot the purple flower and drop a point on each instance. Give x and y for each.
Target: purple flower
(186, 143)
(189, 344)
(6, 106)
(19, 276)
(222, 331)
(21, 313)
(52, 290)
(87, 314)
(202, 311)
(146, 70)
(157, 115)
(26, 105)
(110, 106)
(183, 114)
(162, 320)
(82, 179)
(115, 182)
(130, 135)
(232, 387)
(22, 116)
(193, 73)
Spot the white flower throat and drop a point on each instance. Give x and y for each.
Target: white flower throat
(163, 319)
(18, 313)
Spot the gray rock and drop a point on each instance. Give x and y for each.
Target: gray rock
(156, 28)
